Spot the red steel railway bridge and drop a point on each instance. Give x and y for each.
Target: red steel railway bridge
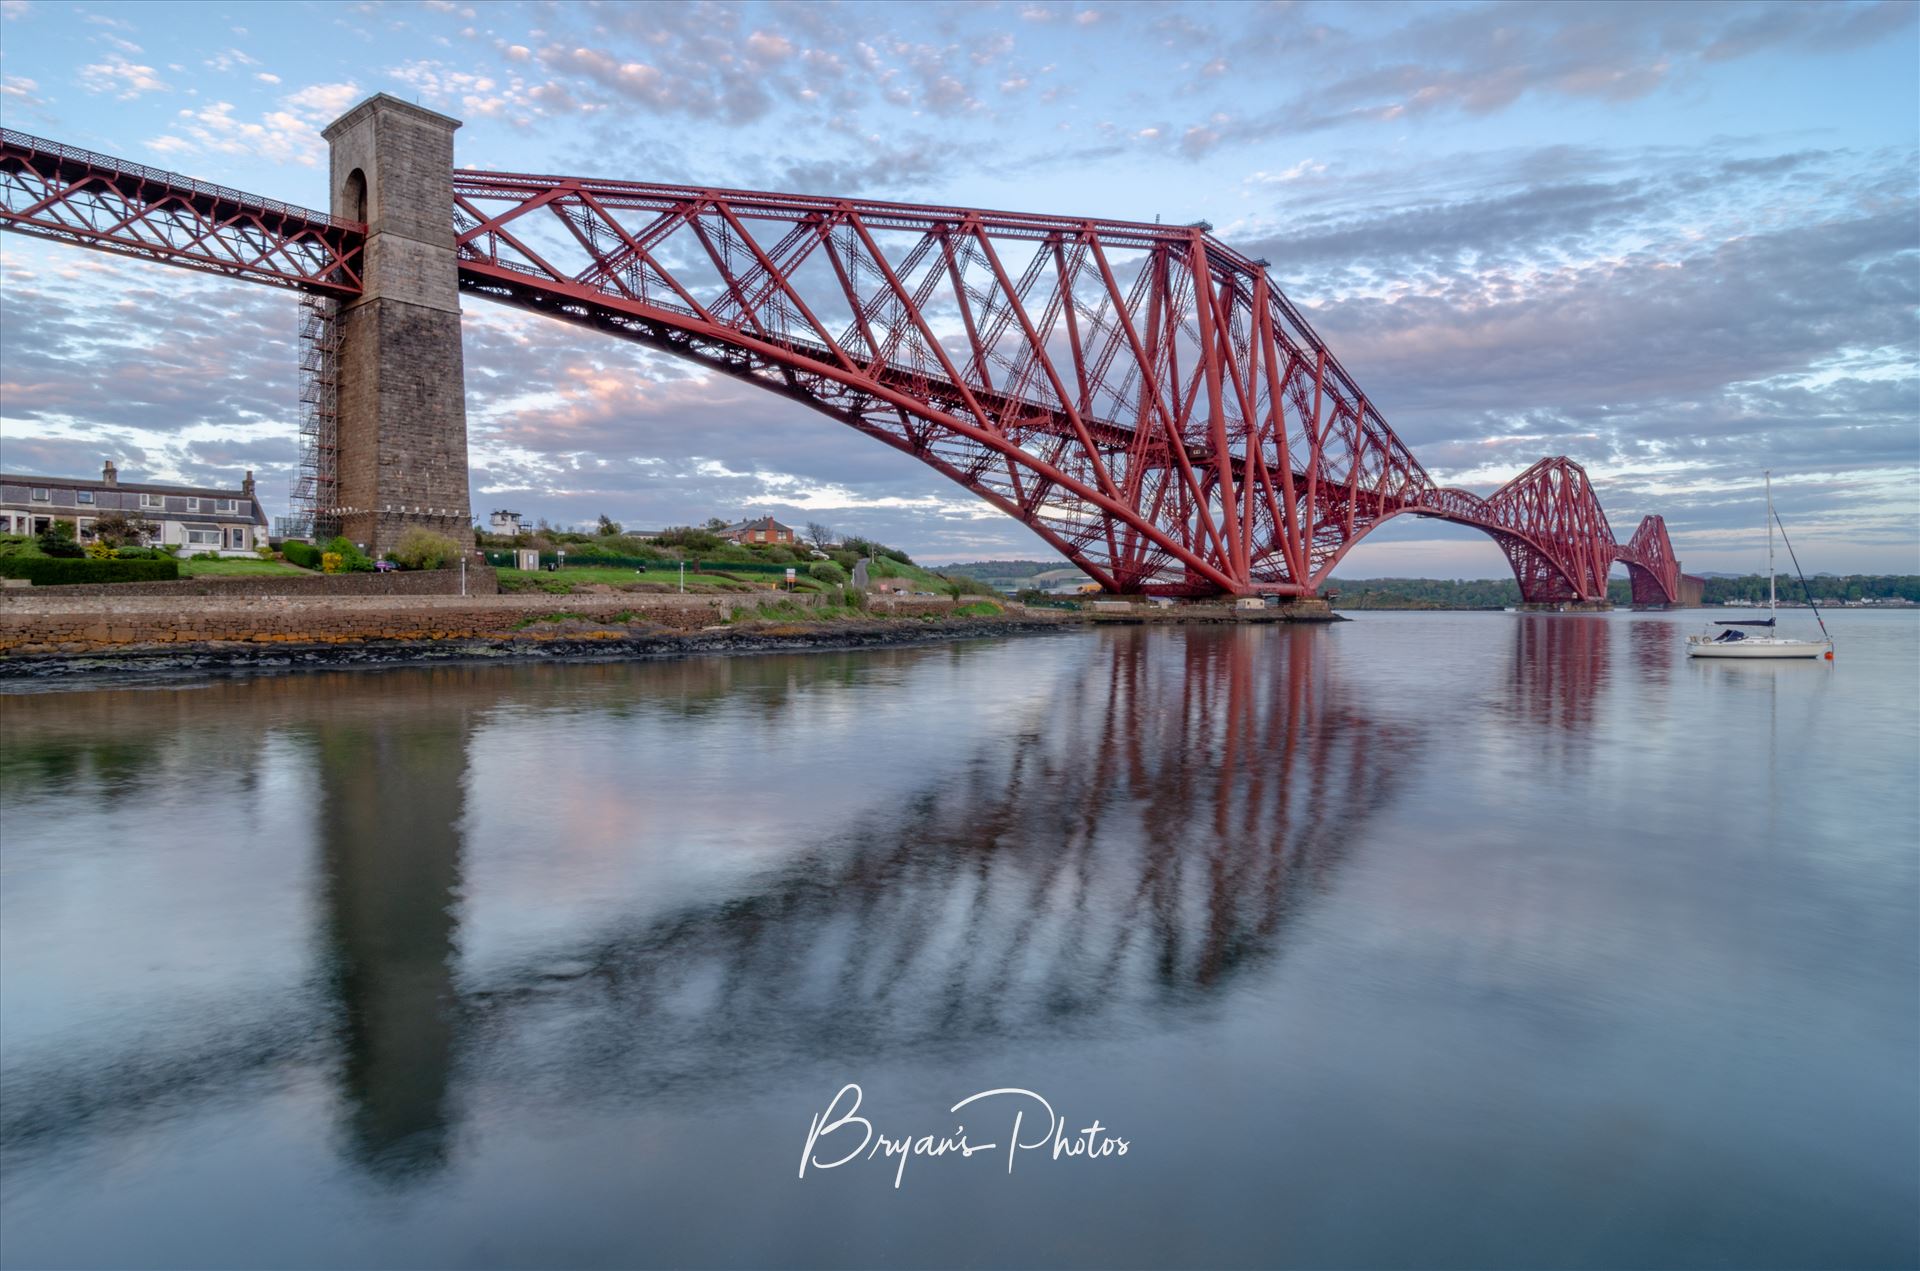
(1142, 397)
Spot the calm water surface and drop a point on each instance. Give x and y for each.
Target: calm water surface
(1462, 940)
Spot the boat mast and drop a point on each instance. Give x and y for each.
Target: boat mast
(1773, 604)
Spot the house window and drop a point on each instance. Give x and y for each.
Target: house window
(83, 496)
(193, 505)
(237, 538)
(224, 505)
(83, 527)
(153, 501)
(40, 494)
(203, 536)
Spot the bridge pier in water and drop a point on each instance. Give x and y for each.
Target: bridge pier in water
(402, 414)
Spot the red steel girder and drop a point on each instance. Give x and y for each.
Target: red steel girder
(1652, 568)
(1141, 396)
(55, 191)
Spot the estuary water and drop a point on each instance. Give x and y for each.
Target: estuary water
(1475, 940)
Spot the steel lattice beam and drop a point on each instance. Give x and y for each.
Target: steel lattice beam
(1651, 565)
(93, 200)
(1141, 396)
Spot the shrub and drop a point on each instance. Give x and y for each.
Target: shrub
(98, 550)
(867, 547)
(117, 529)
(48, 571)
(691, 539)
(959, 585)
(352, 559)
(332, 563)
(305, 555)
(205, 556)
(57, 540)
(17, 545)
(853, 598)
(263, 550)
(826, 571)
(421, 548)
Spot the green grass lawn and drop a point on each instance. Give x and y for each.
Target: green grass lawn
(235, 566)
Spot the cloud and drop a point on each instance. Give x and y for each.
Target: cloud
(290, 134)
(17, 90)
(1483, 60)
(122, 79)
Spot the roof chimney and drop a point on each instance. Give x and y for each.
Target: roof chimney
(246, 486)
(110, 474)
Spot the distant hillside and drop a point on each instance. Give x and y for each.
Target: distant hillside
(1479, 593)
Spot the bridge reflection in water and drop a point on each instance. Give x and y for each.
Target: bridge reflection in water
(1131, 837)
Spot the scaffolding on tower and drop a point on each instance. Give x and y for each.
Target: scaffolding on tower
(316, 486)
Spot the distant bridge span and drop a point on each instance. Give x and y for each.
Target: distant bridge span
(1143, 397)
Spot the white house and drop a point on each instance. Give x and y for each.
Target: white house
(185, 518)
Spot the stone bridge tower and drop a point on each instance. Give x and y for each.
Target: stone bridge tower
(402, 415)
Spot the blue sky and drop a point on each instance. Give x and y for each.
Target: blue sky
(1680, 243)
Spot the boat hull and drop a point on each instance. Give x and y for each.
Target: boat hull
(1756, 647)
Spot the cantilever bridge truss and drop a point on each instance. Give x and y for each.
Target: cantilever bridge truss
(1141, 396)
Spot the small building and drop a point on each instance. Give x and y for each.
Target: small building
(501, 521)
(762, 529)
(189, 518)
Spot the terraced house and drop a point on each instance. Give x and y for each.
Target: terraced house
(230, 522)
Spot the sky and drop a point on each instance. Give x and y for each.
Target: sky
(1679, 243)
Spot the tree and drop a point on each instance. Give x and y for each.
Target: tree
(820, 535)
(57, 540)
(608, 526)
(118, 530)
(716, 524)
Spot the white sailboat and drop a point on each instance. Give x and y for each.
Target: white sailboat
(1735, 643)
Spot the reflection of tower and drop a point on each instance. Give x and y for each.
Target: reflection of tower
(1653, 651)
(389, 833)
(1560, 664)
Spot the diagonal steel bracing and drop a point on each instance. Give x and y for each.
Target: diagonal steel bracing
(1141, 396)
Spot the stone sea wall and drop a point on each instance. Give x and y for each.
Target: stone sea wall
(480, 581)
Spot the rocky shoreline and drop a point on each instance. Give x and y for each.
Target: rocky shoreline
(582, 642)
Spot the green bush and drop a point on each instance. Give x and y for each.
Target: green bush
(49, 571)
(421, 548)
(620, 550)
(57, 540)
(352, 559)
(18, 545)
(303, 554)
(117, 529)
(691, 539)
(827, 572)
